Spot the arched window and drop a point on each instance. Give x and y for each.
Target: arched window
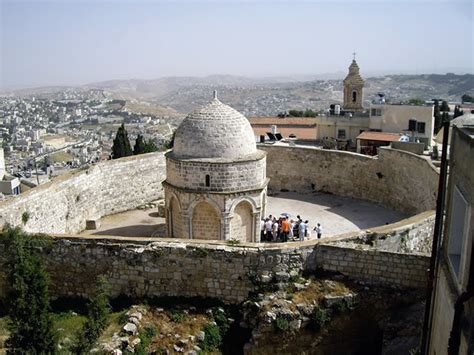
(354, 96)
(208, 181)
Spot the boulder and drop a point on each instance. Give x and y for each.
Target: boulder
(130, 328)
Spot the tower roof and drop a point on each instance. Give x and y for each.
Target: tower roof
(353, 77)
(214, 130)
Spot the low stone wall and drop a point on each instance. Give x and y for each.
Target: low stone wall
(374, 266)
(399, 180)
(64, 204)
(410, 235)
(412, 147)
(141, 268)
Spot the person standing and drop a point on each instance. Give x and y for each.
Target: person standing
(268, 230)
(262, 230)
(291, 234)
(276, 227)
(319, 230)
(302, 230)
(285, 229)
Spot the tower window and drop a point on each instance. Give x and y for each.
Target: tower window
(354, 96)
(208, 181)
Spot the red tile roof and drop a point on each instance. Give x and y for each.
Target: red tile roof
(379, 136)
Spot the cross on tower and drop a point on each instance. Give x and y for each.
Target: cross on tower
(354, 55)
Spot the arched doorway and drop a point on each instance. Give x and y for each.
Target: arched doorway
(242, 222)
(175, 219)
(206, 222)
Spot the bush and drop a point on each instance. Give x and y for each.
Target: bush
(177, 316)
(98, 310)
(30, 325)
(282, 323)
(213, 339)
(343, 305)
(146, 336)
(320, 317)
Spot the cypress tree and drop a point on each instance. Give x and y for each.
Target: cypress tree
(121, 147)
(30, 326)
(150, 146)
(444, 107)
(139, 147)
(437, 117)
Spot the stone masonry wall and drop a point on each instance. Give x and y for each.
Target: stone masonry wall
(215, 270)
(374, 266)
(63, 205)
(400, 180)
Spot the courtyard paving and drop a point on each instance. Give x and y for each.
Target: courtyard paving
(335, 213)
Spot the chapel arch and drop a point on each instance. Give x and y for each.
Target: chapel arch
(206, 223)
(175, 218)
(241, 224)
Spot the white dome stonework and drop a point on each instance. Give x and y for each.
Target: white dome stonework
(216, 179)
(214, 131)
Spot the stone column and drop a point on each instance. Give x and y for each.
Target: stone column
(256, 227)
(187, 225)
(225, 226)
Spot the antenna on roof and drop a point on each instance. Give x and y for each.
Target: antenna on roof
(215, 94)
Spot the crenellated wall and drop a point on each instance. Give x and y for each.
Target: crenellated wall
(64, 204)
(399, 180)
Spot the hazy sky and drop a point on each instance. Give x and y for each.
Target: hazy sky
(76, 42)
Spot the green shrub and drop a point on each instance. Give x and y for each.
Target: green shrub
(25, 217)
(343, 305)
(320, 317)
(98, 310)
(30, 326)
(282, 323)
(177, 316)
(146, 336)
(212, 340)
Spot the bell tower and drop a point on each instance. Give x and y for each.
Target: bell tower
(353, 88)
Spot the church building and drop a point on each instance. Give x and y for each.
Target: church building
(353, 89)
(216, 181)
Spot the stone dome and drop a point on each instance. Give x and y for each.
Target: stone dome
(214, 131)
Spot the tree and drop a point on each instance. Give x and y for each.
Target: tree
(30, 325)
(150, 146)
(139, 147)
(295, 113)
(121, 147)
(467, 98)
(416, 101)
(444, 106)
(309, 113)
(98, 310)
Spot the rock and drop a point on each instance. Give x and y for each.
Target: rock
(329, 284)
(134, 321)
(282, 276)
(295, 324)
(299, 286)
(117, 352)
(177, 336)
(130, 328)
(329, 300)
(265, 278)
(305, 309)
(137, 315)
(270, 317)
(294, 273)
(197, 348)
(191, 338)
(192, 352)
(177, 349)
(159, 310)
(200, 336)
(135, 342)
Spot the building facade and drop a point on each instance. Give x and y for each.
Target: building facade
(216, 182)
(452, 329)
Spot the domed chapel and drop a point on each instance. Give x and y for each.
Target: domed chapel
(216, 182)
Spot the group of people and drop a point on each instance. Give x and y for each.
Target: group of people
(284, 229)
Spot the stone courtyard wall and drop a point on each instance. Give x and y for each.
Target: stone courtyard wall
(230, 273)
(399, 180)
(64, 204)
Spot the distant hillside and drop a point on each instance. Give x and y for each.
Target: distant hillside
(269, 96)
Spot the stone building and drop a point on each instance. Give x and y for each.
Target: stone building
(353, 89)
(452, 312)
(216, 180)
